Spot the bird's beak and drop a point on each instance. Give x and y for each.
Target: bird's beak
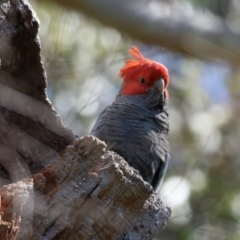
(159, 85)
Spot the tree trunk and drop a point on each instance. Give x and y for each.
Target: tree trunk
(54, 185)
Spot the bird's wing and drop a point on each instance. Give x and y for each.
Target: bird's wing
(99, 129)
(160, 174)
(136, 135)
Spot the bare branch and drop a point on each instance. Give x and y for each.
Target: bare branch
(197, 35)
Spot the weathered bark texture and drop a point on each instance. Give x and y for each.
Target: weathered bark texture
(53, 185)
(31, 132)
(87, 194)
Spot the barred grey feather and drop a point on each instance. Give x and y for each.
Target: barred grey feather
(136, 128)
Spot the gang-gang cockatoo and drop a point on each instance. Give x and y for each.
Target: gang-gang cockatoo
(136, 124)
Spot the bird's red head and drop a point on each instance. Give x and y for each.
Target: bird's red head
(140, 75)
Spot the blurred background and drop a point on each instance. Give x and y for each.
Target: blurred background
(83, 58)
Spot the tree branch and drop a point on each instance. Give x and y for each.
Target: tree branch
(197, 35)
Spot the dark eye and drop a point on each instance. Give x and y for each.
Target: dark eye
(142, 80)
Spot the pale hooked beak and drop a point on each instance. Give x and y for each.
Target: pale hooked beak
(159, 85)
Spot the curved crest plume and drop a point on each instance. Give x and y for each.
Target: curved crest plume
(135, 52)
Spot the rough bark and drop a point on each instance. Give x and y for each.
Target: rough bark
(88, 194)
(31, 132)
(54, 185)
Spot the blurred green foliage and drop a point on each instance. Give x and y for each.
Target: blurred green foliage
(219, 7)
(83, 58)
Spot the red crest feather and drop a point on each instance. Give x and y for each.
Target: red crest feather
(134, 51)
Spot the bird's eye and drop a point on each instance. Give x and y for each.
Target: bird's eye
(142, 80)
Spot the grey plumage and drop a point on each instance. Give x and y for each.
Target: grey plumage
(136, 127)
